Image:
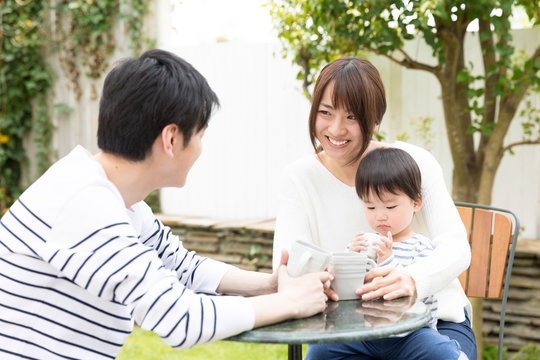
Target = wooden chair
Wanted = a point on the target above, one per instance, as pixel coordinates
(492, 233)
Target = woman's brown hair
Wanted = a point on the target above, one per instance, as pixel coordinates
(358, 88)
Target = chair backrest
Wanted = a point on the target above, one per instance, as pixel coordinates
(491, 233)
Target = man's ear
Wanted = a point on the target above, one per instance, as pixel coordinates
(171, 138)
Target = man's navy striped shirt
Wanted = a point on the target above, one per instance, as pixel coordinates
(77, 269)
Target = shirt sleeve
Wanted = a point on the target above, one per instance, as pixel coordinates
(451, 254)
(104, 255)
(168, 247)
(390, 261)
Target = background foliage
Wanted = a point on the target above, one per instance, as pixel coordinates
(79, 32)
(480, 101)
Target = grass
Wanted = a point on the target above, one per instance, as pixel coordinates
(145, 345)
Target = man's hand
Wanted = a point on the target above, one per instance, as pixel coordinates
(274, 279)
(306, 293)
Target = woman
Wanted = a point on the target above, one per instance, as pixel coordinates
(318, 202)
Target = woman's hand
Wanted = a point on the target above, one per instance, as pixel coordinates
(388, 283)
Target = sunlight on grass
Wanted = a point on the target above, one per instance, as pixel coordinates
(145, 345)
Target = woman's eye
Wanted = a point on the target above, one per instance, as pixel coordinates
(351, 117)
(371, 208)
(391, 207)
(324, 112)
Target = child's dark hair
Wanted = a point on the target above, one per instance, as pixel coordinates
(141, 96)
(388, 170)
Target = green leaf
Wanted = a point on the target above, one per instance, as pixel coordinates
(463, 76)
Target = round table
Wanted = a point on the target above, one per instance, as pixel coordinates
(348, 320)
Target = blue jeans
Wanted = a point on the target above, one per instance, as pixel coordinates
(422, 344)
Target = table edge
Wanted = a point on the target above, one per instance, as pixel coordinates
(332, 337)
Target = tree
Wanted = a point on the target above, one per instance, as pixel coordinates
(480, 106)
(80, 34)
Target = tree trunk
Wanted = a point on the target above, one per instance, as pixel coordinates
(492, 160)
(457, 118)
(466, 174)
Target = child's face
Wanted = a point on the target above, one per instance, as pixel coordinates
(391, 212)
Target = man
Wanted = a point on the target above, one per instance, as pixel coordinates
(82, 257)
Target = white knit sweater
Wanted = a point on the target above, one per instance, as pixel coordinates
(315, 206)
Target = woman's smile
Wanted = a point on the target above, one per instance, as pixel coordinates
(335, 142)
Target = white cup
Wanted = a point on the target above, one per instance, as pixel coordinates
(349, 269)
(371, 252)
(307, 258)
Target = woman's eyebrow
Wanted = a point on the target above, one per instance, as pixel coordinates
(327, 106)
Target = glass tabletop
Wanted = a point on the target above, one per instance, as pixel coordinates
(348, 320)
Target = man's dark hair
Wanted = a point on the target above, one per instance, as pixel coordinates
(388, 170)
(141, 96)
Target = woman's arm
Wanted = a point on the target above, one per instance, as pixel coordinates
(451, 255)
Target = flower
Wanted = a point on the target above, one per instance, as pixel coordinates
(4, 139)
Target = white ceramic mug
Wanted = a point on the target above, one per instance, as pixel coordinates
(349, 269)
(306, 258)
(371, 252)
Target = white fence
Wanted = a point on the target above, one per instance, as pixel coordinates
(262, 126)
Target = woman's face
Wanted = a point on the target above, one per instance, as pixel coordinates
(337, 129)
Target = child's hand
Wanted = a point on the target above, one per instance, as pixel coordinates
(383, 247)
(359, 243)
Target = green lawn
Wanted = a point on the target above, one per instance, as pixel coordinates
(145, 345)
